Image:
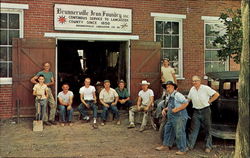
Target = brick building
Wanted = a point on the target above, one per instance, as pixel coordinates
(112, 39)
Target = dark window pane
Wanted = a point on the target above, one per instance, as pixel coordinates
(13, 34)
(167, 41)
(10, 70)
(159, 38)
(208, 67)
(3, 39)
(159, 27)
(14, 21)
(167, 28)
(3, 70)
(166, 53)
(175, 27)
(208, 55)
(10, 54)
(3, 23)
(3, 54)
(214, 55)
(175, 41)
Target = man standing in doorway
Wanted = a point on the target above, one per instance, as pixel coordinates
(109, 98)
(49, 81)
(88, 100)
(167, 72)
(124, 97)
(202, 96)
(144, 104)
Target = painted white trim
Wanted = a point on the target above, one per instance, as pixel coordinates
(94, 37)
(210, 18)
(14, 6)
(5, 81)
(180, 51)
(165, 15)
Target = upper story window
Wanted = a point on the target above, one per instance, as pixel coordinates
(213, 28)
(11, 26)
(168, 31)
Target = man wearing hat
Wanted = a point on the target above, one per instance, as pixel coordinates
(144, 103)
(109, 98)
(177, 119)
(124, 97)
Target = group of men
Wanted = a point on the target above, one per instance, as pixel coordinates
(173, 107)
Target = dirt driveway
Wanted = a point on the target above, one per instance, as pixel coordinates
(80, 140)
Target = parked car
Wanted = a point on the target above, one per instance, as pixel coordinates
(225, 108)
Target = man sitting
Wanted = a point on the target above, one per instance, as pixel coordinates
(88, 99)
(124, 97)
(109, 98)
(144, 103)
(65, 98)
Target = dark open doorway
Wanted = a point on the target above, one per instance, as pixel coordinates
(97, 60)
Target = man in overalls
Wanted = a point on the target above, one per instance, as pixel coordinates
(177, 119)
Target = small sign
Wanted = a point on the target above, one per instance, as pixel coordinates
(90, 18)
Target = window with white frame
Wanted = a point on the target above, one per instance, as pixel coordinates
(11, 26)
(168, 31)
(213, 28)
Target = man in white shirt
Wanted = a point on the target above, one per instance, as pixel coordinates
(65, 99)
(202, 96)
(144, 104)
(109, 98)
(88, 99)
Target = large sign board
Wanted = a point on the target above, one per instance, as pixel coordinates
(90, 18)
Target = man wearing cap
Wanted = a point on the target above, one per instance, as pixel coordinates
(124, 97)
(144, 103)
(167, 72)
(177, 119)
(109, 98)
(202, 96)
(49, 81)
(88, 101)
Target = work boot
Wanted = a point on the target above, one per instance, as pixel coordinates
(207, 150)
(47, 123)
(131, 125)
(53, 122)
(142, 128)
(180, 153)
(163, 147)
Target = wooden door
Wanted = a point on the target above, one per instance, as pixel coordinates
(145, 65)
(28, 55)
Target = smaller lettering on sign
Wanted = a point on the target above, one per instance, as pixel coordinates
(88, 18)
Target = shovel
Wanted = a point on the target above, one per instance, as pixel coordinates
(38, 123)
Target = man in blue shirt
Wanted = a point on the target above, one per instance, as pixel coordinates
(124, 97)
(177, 118)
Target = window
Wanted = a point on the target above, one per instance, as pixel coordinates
(168, 31)
(11, 26)
(213, 28)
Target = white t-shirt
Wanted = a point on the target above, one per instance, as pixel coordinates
(167, 73)
(87, 92)
(65, 97)
(201, 96)
(146, 96)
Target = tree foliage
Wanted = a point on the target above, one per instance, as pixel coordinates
(231, 42)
